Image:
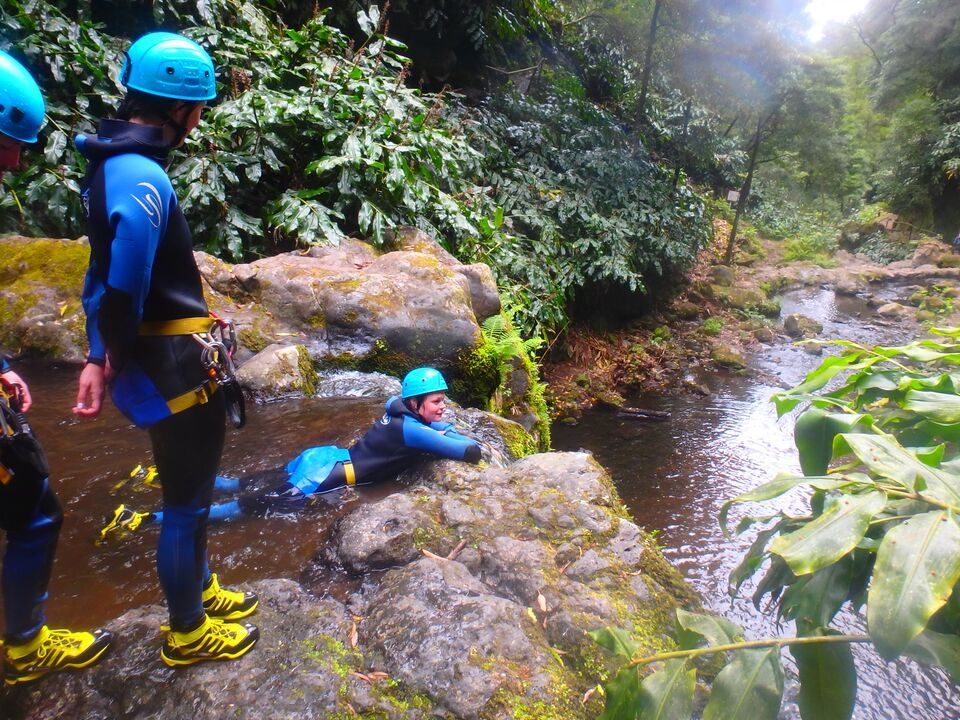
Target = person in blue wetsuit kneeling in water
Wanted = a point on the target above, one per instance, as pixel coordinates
(409, 431)
(30, 513)
(150, 331)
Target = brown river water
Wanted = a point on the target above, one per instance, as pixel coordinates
(673, 475)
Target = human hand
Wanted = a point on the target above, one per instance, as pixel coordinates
(90, 391)
(16, 387)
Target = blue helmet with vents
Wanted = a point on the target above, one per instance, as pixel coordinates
(21, 104)
(422, 381)
(170, 66)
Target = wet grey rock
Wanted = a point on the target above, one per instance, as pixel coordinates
(383, 534)
(294, 671)
(484, 296)
(764, 335)
(893, 309)
(627, 544)
(438, 629)
(350, 300)
(848, 287)
(516, 568)
(278, 371)
(800, 326)
(586, 567)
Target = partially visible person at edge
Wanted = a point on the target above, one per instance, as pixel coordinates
(144, 301)
(409, 431)
(30, 513)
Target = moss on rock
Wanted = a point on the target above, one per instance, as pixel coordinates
(307, 372)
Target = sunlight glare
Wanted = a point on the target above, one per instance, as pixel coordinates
(823, 12)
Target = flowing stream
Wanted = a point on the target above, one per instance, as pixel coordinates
(675, 475)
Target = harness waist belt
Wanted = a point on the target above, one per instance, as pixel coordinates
(351, 476)
(181, 326)
(200, 395)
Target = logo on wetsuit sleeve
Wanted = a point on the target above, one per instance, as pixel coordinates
(150, 202)
(385, 420)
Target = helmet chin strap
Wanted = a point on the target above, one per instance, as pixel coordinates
(178, 127)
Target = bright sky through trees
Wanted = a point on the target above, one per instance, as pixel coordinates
(822, 12)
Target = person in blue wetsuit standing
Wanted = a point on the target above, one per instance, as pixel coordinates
(409, 431)
(30, 514)
(147, 323)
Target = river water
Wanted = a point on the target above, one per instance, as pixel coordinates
(91, 462)
(675, 475)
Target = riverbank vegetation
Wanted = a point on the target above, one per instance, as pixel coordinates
(570, 145)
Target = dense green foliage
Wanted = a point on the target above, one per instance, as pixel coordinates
(878, 445)
(316, 136)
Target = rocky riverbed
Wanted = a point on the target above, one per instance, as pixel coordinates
(470, 595)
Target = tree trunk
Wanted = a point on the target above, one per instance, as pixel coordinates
(744, 194)
(681, 155)
(648, 62)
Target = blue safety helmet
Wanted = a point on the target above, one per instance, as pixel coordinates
(21, 104)
(422, 381)
(170, 66)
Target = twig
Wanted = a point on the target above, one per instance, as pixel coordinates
(747, 644)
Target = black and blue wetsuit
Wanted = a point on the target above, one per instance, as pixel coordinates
(395, 442)
(31, 516)
(142, 272)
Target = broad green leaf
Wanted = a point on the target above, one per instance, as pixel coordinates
(782, 483)
(751, 560)
(814, 433)
(750, 687)
(933, 648)
(623, 695)
(817, 378)
(918, 564)
(616, 641)
(828, 681)
(814, 599)
(696, 627)
(941, 407)
(327, 163)
(668, 693)
(884, 456)
(832, 535)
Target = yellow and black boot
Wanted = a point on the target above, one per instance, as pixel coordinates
(51, 650)
(225, 604)
(214, 639)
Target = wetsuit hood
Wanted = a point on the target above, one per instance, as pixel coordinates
(117, 137)
(395, 407)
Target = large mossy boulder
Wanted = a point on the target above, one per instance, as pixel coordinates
(493, 572)
(41, 281)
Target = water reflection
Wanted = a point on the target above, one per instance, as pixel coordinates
(675, 476)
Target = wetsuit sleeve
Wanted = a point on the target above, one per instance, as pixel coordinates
(450, 445)
(138, 198)
(4, 364)
(92, 295)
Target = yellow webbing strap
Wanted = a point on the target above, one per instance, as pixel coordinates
(198, 396)
(183, 326)
(351, 476)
